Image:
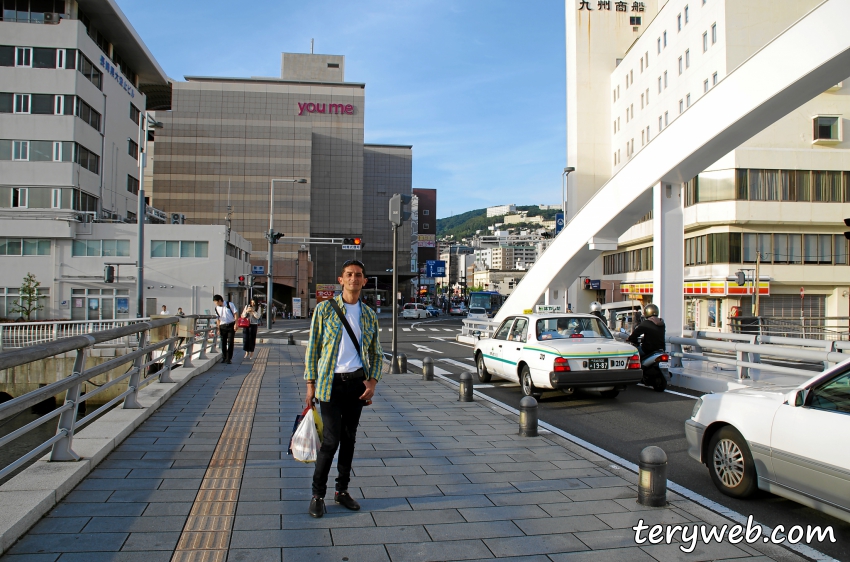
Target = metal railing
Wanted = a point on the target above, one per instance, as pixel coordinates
(486, 327)
(161, 353)
(750, 351)
(822, 328)
(16, 335)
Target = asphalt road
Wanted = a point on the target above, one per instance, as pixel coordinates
(637, 418)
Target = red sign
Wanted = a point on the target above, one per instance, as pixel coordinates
(324, 296)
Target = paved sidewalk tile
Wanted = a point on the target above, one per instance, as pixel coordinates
(437, 480)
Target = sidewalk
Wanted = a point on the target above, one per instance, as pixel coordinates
(207, 475)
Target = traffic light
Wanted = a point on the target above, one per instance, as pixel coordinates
(741, 278)
(273, 237)
(398, 202)
(847, 234)
(587, 284)
(352, 243)
(109, 274)
(241, 280)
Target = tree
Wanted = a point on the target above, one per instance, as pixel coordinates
(28, 303)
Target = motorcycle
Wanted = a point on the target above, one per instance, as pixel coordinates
(652, 374)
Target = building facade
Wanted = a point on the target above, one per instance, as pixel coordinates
(500, 210)
(73, 77)
(778, 199)
(225, 139)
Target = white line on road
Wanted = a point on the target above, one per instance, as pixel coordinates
(291, 331)
(449, 330)
(803, 549)
(406, 329)
(456, 363)
(437, 370)
(420, 329)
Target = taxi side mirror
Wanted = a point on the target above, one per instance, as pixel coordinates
(800, 397)
(477, 334)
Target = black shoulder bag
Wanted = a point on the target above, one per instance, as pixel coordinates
(347, 326)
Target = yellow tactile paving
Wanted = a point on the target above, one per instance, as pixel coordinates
(206, 534)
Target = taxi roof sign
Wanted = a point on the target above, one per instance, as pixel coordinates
(544, 308)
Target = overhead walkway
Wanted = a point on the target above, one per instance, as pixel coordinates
(802, 62)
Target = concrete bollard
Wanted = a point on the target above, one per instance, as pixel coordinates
(290, 340)
(427, 369)
(652, 485)
(465, 390)
(401, 359)
(528, 417)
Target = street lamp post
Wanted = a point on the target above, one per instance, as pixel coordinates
(272, 238)
(141, 211)
(564, 177)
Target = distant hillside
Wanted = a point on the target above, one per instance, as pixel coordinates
(465, 224)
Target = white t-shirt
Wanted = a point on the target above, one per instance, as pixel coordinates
(227, 313)
(348, 360)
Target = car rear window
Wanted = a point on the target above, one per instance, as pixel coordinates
(567, 327)
(476, 310)
(410, 306)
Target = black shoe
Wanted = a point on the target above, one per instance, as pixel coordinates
(345, 500)
(317, 507)
(228, 362)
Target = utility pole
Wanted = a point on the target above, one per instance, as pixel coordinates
(397, 217)
(272, 238)
(756, 288)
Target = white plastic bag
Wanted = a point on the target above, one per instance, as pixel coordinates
(305, 441)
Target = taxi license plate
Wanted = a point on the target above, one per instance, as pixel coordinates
(595, 364)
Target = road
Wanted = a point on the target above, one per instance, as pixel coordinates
(637, 418)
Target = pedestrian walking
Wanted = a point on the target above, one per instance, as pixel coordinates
(164, 310)
(226, 320)
(274, 312)
(342, 367)
(180, 312)
(249, 333)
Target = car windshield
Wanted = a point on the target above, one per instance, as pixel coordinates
(476, 310)
(571, 327)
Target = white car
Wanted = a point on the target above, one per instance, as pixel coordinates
(558, 351)
(792, 442)
(477, 313)
(414, 310)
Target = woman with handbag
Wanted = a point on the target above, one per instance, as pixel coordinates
(249, 321)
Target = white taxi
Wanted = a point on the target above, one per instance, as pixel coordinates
(557, 351)
(785, 440)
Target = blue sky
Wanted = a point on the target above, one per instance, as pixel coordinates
(477, 87)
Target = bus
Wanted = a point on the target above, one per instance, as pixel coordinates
(491, 301)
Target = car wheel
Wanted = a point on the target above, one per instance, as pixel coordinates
(483, 374)
(609, 393)
(730, 463)
(527, 384)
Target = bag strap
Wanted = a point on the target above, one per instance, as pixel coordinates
(346, 324)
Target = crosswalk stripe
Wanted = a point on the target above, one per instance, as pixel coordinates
(304, 332)
(420, 329)
(291, 331)
(434, 329)
(448, 330)
(406, 329)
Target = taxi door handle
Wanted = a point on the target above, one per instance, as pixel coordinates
(500, 345)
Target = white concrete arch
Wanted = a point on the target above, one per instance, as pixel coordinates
(802, 62)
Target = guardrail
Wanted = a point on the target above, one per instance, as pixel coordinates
(749, 351)
(810, 327)
(486, 327)
(170, 342)
(16, 335)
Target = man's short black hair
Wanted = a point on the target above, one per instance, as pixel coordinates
(358, 263)
(217, 298)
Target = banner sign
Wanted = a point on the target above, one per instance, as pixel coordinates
(427, 240)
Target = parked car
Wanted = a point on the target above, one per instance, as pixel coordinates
(457, 310)
(786, 441)
(477, 313)
(432, 310)
(558, 351)
(414, 310)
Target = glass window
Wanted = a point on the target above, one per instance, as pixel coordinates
(826, 128)
(780, 248)
(44, 247)
(93, 247)
(713, 33)
(705, 42)
(23, 55)
(795, 248)
(750, 242)
(825, 248)
(802, 185)
(78, 248)
(172, 249)
(504, 329)
(43, 58)
(519, 330)
(765, 247)
(833, 395)
(19, 197)
(122, 248)
(810, 248)
(840, 251)
(687, 58)
(157, 248)
(187, 249)
(202, 249)
(110, 248)
(714, 79)
(826, 187)
(30, 247)
(22, 103)
(13, 246)
(41, 151)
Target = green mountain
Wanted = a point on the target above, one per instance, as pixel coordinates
(465, 224)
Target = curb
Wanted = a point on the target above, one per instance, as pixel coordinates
(30, 495)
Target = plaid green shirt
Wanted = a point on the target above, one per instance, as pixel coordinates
(326, 331)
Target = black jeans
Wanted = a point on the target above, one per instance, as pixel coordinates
(340, 417)
(249, 338)
(228, 334)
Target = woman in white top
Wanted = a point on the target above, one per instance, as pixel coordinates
(249, 334)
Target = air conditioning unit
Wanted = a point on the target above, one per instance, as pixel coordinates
(51, 17)
(177, 218)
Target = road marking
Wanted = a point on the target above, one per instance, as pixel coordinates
(420, 329)
(456, 363)
(291, 331)
(450, 330)
(724, 511)
(425, 349)
(434, 329)
(406, 329)
(482, 386)
(305, 331)
(671, 392)
(437, 370)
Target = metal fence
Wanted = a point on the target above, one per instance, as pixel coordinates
(192, 342)
(16, 335)
(809, 327)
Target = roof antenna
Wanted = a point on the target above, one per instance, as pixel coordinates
(311, 46)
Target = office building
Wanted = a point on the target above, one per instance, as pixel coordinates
(632, 69)
(225, 139)
(500, 210)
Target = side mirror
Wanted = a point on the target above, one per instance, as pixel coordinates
(477, 334)
(800, 397)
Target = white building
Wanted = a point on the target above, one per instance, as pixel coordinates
(501, 210)
(778, 195)
(185, 265)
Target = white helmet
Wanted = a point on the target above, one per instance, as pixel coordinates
(595, 307)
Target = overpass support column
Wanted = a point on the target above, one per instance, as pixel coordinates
(669, 254)
(556, 296)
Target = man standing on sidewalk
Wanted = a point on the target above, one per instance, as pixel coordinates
(342, 368)
(226, 319)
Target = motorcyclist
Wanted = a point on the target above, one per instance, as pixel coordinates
(652, 329)
(596, 310)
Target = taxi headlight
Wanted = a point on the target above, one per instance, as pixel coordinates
(697, 406)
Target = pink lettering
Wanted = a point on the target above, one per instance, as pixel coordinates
(320, 107)
(332, 108)
(311, 108)
(301, 108)
(336, 108)
(349, 109)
